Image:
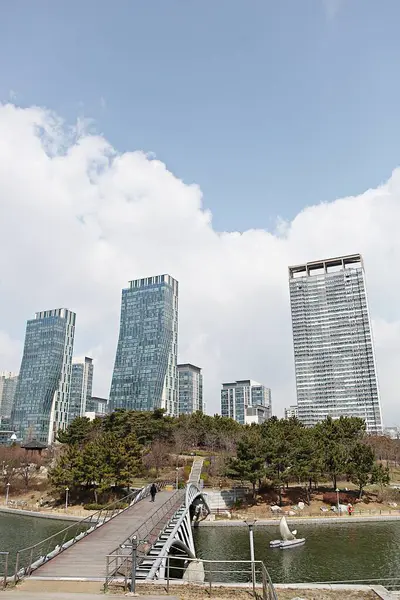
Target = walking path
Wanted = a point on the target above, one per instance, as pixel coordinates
(21, 594)
(87, 558)
(195, 472)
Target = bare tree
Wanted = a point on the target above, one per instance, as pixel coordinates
(10, 462)
(182, 442)
(29, 467)
(211, 440)
(157, 457)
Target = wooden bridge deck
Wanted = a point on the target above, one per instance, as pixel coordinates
(87, 558)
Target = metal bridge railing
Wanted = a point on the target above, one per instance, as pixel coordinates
(32, 557)
(211, 573)
(118, 561)
(3, 568)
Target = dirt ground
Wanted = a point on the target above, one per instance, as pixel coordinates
(291, 496)
(223, 593)
(31, 501)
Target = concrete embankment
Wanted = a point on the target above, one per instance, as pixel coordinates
(299, 520)
(42, 514)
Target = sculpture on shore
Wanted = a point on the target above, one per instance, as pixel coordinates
(289, 539)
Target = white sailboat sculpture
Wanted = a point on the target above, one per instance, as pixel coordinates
(288, 537)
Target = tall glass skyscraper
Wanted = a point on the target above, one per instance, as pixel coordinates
(41, 401)
(80, 400)
(333, 346)
(190, 394)
(145, 372)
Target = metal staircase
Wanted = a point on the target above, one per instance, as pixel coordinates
(145, 563)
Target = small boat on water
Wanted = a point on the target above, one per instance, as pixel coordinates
(289, 539)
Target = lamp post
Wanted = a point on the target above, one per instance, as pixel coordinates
(250, 524)
(177, 477)
(7, 492)
(337, 500)
(134, 542)
(66, 498)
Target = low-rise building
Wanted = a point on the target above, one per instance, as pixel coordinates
(291, 411)
(392, 432)
(246, 401)
(99, 406)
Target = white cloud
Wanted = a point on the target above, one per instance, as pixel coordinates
(79, 220)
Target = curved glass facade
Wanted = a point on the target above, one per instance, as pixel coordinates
(42, 396)
(145, 370)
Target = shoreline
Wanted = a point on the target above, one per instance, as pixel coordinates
(221, 522)
(41, 514)
(300, 520)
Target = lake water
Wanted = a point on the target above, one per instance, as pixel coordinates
(19, 531)
(332, 552)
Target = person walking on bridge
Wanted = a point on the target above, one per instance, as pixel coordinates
(153, 492)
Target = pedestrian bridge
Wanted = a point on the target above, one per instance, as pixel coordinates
(99, 547)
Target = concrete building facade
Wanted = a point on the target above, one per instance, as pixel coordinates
(333, 346)
(291, 411)
(246, 401)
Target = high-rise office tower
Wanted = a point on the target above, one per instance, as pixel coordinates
(80, 400)
(190, 382)
(333, 346)
(42, 396)
(246, 401)
(145, 369)
(8, 385)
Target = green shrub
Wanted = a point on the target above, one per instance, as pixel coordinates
(94, 506)
(121, 505)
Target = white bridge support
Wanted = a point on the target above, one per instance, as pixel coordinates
(181, 535)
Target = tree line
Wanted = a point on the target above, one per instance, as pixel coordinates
(284, 451)
(103, 457)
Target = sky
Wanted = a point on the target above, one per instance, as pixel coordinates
(215, 141)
